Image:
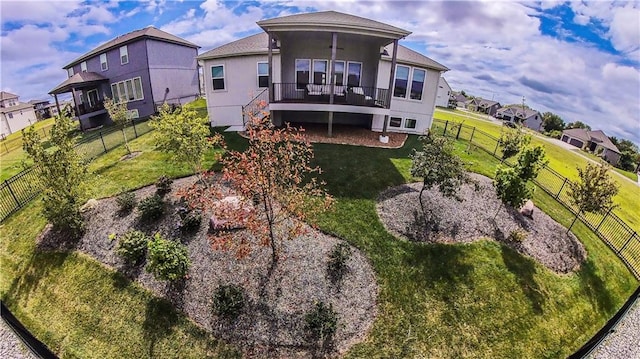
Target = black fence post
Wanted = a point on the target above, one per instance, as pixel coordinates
(472, 132)
(627, 242)
(603, 218)
(133, 123)
(459, 129)
(446, 124)
(561, 187)
(102, 139)
(496, 149)
(6, 183)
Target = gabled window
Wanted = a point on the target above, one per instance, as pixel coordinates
(83, 66)
(124, 55)
(217, 77)
(263, 74)
(417, 84)
(402, 78)
(303, 73)
(354, 73)
(103, 62)
(70, 71)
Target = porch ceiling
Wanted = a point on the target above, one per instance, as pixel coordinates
(78, 81)
(344, 39)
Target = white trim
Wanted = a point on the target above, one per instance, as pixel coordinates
(424, 80)
(407, 89)
(295, 72)
(122, 85)
(89, 97)
(326, 71)
(70, 71)
(258, 74)
(359, 76)
(344, 66)
(103, 56)
(224, 78)
(125, 54)
(83, 66)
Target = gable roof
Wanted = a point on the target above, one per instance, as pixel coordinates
(257, 45)
(148, 32)
(18, 107)
(333, 20)
(579, 133)
(597, 136)
(7, 95)
(35, 102)
(517, 111)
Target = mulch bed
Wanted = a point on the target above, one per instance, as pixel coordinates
(272, 323)
(472, 219)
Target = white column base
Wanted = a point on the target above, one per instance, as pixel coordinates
(384, 139)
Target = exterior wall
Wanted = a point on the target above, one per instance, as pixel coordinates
(317, 49)
(421, 111)
(444, 91)
(173, 67)
(241, 86)
(610, 156)
(534, 122)
(21, 119)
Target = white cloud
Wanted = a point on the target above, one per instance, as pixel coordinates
(625, 29)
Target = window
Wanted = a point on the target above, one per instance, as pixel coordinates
(354, 72)
(319, 72)
(83, 66)
(263, 74)
(217, 76)
(417, 84)
(92, 96)
(409, 123)
(395, 122)
(127, 90)
(124, 55)
(10, 115)
(339, 73)
(103, 62)
(303, 72)
(70, 71)
(402, 78)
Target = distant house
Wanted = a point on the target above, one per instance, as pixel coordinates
(527, 117)
(41, 108)
(595, 141)
(143, 68)
(14, 115)
(444, 92)
(458, 98)
(481, 105)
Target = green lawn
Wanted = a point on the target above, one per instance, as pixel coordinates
(630, 175)
(564, 162)
(478, 300)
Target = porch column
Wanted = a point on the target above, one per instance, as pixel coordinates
(75, 103)
(270, 52)
(55, 96)
(392, 77)
(332, 69)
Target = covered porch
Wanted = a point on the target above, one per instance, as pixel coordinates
(87, 90)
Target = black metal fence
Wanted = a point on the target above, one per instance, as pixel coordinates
(18, 190)
(617, 234)
(8, 145)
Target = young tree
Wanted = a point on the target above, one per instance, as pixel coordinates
(511, 141)
(511, 183)
(552, 122)
(62, 172)
(438, 165)
(119, 114)
(184, 134)
(593, 192)
(275, 175)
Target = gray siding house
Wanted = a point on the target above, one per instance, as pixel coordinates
(143, 68)
(594, 141)
(323, 67)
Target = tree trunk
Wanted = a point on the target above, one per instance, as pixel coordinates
(126, 143)
(424, 212)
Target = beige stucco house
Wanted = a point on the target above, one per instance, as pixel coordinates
(323, 67)
(14, 115)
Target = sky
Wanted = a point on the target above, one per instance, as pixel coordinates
(580, 60)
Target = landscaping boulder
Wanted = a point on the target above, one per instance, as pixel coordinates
(231, 203)
(527, 209)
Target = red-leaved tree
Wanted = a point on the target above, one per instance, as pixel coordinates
(266, 193)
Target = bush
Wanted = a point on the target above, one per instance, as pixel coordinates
(337, 265)
(163, 185)
(517, 236)
(132, 246)
(168, 260)
(228, 301)
(126, 201)
(151, 208)
(322, 321)
(190, 219)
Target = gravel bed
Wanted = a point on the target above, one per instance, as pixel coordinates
(11, 347)
(624, 341)
(272, 324)
(471, 219)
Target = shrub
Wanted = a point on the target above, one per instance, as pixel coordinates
(228, 301)
(322, 321)
(168, 260)
(126, 201)
(190, 219)
(163, 185)
(151, 208)
(337, 265)
(132, 246)
(517, 236)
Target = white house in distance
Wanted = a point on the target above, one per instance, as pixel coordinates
(527, 117)
(323, 67)
(444, 93)
(14, 115)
